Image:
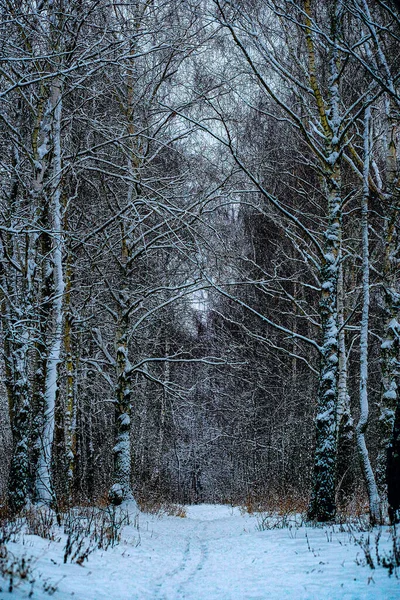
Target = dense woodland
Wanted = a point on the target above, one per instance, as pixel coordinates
(199, 250)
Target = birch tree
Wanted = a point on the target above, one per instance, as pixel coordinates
(323, 132)
(377, 53)
(41, 109)
(47, 38)
(374, 501)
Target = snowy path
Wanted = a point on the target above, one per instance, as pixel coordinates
(214, 554)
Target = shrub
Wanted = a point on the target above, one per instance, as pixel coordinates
(162, 508)
(41, 521)
(15, 570)
(92, 528)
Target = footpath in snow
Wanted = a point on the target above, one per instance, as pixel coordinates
(215, 553)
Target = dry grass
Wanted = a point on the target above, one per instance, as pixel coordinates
(162, 508)
(354, 507)
(41, 521)
(278, 503)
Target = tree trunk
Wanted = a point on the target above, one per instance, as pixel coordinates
(390, 347)
(373, 497)
(323, 501)
(345, 425)
(121, 489)
(18, 484)
(44, 486)
(70, 412)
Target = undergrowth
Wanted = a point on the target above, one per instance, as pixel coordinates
(86, 529)
(161, 508)
(41, 521)
(375, 555)
(92, 528)
(13, 570)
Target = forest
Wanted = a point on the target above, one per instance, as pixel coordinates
(199, 255)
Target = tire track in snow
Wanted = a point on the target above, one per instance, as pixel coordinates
(192, 562)
(174, 572)
(200, 565)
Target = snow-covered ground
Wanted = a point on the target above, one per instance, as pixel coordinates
(215, 553)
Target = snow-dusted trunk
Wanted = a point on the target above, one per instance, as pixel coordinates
(19, 412)
(121, 487)
(373, 497)
(156, 475)
(393, 470)
(345, 425)
(345, 421)
(17, 298)
(390, 346)
(44, 294)
(389, 455)
(70, 413)
(17, 344)
(44, 491)
(17, 348)
(323, 501)
(15, 314)
(389, 350)
(40, 251)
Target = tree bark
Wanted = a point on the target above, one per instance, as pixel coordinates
(373, 497)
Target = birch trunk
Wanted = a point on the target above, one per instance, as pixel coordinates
(20, 413)
(41, 250)
(121, 489)
(345, 421)
(345, 425)
(373, 497)
(16, 313)
(323, 500)
(390, 347)
(70, 413)
(389, 456)
(44, 489)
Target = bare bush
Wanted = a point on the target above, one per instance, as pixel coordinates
(162, 508)
(375, 555)
(9, 530)
(15, 570)
(91, 528)
(41, 521)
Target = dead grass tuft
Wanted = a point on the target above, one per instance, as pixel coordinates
(279, 503)
(162, 508)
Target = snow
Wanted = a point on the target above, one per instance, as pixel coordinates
(329, 258)
(387, 344)
(124, 419)
(329, 375)
(332, 158)
(394, 326)
(215, 553)
(43, 149)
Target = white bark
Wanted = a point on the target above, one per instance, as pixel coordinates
(391, 331)
(373, 496)
(345, 421)
(44, 487)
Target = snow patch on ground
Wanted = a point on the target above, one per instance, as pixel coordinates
(215, 553)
